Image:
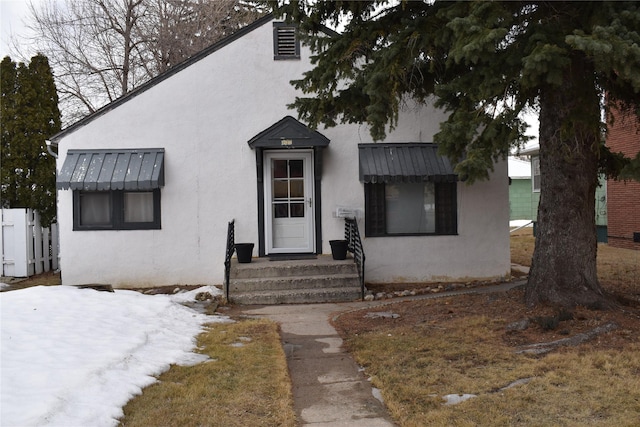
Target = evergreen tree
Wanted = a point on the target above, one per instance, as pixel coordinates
(486, 63)
(29, 116)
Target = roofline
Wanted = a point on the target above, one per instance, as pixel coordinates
(531, 151)
(163, 76)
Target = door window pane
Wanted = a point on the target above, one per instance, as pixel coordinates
(297, 188)
(279, 168)
(95, 208)
(138, 207)
(280, 190)
(296, 168)
(281, 210)
(297, 210)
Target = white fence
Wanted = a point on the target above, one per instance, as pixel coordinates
(27, 248)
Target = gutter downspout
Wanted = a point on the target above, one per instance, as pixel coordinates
(49, 150)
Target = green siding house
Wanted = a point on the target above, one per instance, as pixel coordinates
(524, 191)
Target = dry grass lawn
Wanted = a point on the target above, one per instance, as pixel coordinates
(469, 345)
(618, 269)
(242, 385)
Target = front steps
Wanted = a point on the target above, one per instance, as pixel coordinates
(294, 282)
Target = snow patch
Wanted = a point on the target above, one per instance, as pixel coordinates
(76, 356)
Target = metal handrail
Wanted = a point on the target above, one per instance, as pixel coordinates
(228, 254)
(354, 245)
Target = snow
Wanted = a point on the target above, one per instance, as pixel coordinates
(520, 223)
(454, 399)
(74, 357)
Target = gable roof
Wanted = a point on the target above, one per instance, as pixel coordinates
(288, 132)
(165, 75)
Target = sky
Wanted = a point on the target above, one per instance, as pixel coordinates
(13, 13)
(74, 357)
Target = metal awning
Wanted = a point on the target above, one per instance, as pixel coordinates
(104, 170)
(414, 162)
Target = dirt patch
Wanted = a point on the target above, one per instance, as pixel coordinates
(50, 278)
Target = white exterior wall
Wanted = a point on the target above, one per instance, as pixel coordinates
(203, 117)
(479, 251)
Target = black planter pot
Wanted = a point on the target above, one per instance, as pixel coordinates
(338, 249)
(244, 252)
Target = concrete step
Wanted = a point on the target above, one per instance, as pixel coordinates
(294, 282)
(261, 268)
(297, 296)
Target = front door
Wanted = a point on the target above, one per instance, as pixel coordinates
(289, 198)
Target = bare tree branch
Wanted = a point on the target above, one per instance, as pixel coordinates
(101, 49)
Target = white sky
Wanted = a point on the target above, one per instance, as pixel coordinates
(13, 13)
(74, 357)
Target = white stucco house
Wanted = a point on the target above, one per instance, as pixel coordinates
(148, 184)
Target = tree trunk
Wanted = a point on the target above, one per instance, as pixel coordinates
(563, 269)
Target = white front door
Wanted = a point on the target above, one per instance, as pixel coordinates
(288, 181)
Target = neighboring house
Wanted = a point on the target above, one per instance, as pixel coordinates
(523, 202)
(149, 183)
(600, 202)
(624, 196)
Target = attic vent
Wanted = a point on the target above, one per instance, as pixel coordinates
(285, 41)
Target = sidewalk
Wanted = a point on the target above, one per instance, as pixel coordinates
(329, 389)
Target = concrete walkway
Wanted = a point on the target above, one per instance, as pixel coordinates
(329, 389)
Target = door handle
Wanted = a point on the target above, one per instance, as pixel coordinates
(309, 201)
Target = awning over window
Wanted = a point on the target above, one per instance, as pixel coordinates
(104, 170)
(415, 162)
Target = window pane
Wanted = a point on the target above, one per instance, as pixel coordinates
(297, 188)
(281, 210)
(280, 189)
(95, 208)
(295, 168)
(138, 207)
(279, 168)
(410, 208)
(297, 210)
(535, 165)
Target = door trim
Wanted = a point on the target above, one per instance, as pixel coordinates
(317, 190)
(308, 220)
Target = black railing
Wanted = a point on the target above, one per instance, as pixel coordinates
(228, 254)
(354, 244)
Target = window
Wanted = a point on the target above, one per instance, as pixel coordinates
(423, 208)
(116, 210)
(535, 174)
(285, 41)
(288, 188)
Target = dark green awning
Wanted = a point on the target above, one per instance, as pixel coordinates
(104, 170)
(413, 162)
